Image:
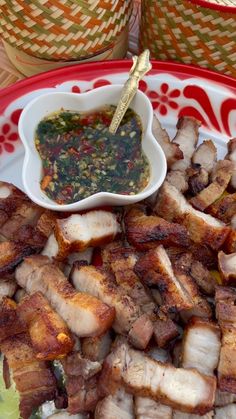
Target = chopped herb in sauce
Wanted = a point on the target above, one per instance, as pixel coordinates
(80, 157)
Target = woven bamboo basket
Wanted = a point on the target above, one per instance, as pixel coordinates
(191, 31)
(29, 65)
(63, 29)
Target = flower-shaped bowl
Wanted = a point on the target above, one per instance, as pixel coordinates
(46, 104)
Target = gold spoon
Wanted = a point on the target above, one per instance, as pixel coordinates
(141, 65)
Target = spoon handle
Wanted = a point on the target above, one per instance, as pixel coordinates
(141, 65)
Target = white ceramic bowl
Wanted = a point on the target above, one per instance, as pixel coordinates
(44, 105)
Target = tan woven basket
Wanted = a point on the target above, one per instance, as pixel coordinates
(63, 29)
(29, 65)
(191, 31)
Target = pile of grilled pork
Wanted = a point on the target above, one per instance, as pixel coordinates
(136, 306)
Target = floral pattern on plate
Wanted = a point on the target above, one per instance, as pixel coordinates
(172, 94)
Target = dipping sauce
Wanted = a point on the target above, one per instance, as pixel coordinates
(80, 157)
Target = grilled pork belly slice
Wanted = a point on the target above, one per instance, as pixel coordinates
(220, 181)
(187, 138)
(202, 277)
(146, 232)
(102, 285)
(184, 262)
(29, 235)
(84, 314)
(141, 332)
(232, 157)
(179, 179)
(11, 254)
(27, 214)
(225, 298)
(201, 307)
(83, 395)
(96, 348)
(205, 155)
(178, 291)
(198, 179)
(226, 412)
(33, 378)
(203, 228)
(116, 406)
(46, 222)
(76, 365)
(52, 250)
(202, 254)
(220, 167)
(123, 270)
(164, 330)
(224, 208)
(78, 232)
(146, 408)
(182, 389)
(10, 199)
(10, 324)
(172, 151)
(81, 383)
(82, 257)
(117, 250)
(19, 216)
(227, 267)
(154, 269)
(201, 346)
(7, 287)
(49, 334)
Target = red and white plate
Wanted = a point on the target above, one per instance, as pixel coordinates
(174, 90)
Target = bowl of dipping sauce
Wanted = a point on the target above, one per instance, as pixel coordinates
(72, 162)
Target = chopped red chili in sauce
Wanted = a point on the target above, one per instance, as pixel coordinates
(80, 157)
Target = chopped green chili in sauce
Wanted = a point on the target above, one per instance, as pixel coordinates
(80, 157)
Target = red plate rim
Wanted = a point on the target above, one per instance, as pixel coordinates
(216, 6)
(89, 71)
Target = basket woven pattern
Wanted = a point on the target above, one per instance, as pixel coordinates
(63, 29)
(184, 31)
